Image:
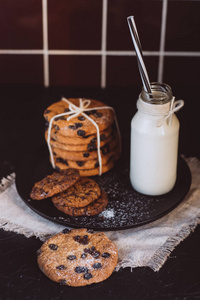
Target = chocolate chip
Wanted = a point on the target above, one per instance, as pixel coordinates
(53, 139)
(91, 147)
(39, 251)
(83, 255)
(86, 154)
(86, 137)
(78, 125)
(66, 110)
(81, 269)
(88, 112)
(98, 115)
(87, 250)
(80, 163)
(60, 118)
(105, 254)
(96, 165)
(93, 140)
(102, 137)
(47, 111)
(61, 267)
(66, 230)
(72, 127)
(77, 238)
(61, 160)
(71, 257)
(53, 247)
(81, 118)
(56, 127)
(105, 149)
(84, 240)
(92, 251)
(57, 169)
(81, 132)
(88, 276)
(91, 112)
(94, 111)
(97, 266)
(95, 254)
(63, 282)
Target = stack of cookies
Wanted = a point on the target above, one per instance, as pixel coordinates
(74, 142)
(71, 194)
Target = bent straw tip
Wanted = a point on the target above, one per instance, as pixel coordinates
(130, 17)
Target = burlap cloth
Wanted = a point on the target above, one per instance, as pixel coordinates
(146, 246)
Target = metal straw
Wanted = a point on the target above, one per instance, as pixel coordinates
(139, 55)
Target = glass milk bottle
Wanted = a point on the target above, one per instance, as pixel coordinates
(154, 141)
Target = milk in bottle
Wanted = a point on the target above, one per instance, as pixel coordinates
(154, 141)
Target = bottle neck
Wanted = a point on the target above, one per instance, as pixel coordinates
(161, 94)
(152, 109)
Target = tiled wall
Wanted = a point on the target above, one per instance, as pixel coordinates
(88, 43)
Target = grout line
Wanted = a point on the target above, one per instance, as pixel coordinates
(98, 52)
(103, 71)
(162, 41)
(19, 51)
(45, 43)
(103, 43)
(75, 52)
(180, 53)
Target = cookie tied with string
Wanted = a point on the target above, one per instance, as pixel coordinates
(79, 126)
(82, 130)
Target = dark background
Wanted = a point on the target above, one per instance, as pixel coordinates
(73, 65)
(76, 25)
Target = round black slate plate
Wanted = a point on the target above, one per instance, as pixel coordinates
(127, 208)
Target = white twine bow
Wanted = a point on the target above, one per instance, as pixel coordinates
(74, 111)
(175, 106)
(166, 111)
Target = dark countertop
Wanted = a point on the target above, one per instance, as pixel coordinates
(21, 125)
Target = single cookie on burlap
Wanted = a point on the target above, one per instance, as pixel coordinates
(92, 209)
(54, 184)
(78, 257)
(82, 193)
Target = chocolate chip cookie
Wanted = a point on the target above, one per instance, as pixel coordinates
(82, 193)
(86, 164)
(91, 172)
(91, 145)
(79, 126)
(92, 209)
(78, 257)
(54, 184)
(58, 136)
(87, 154)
